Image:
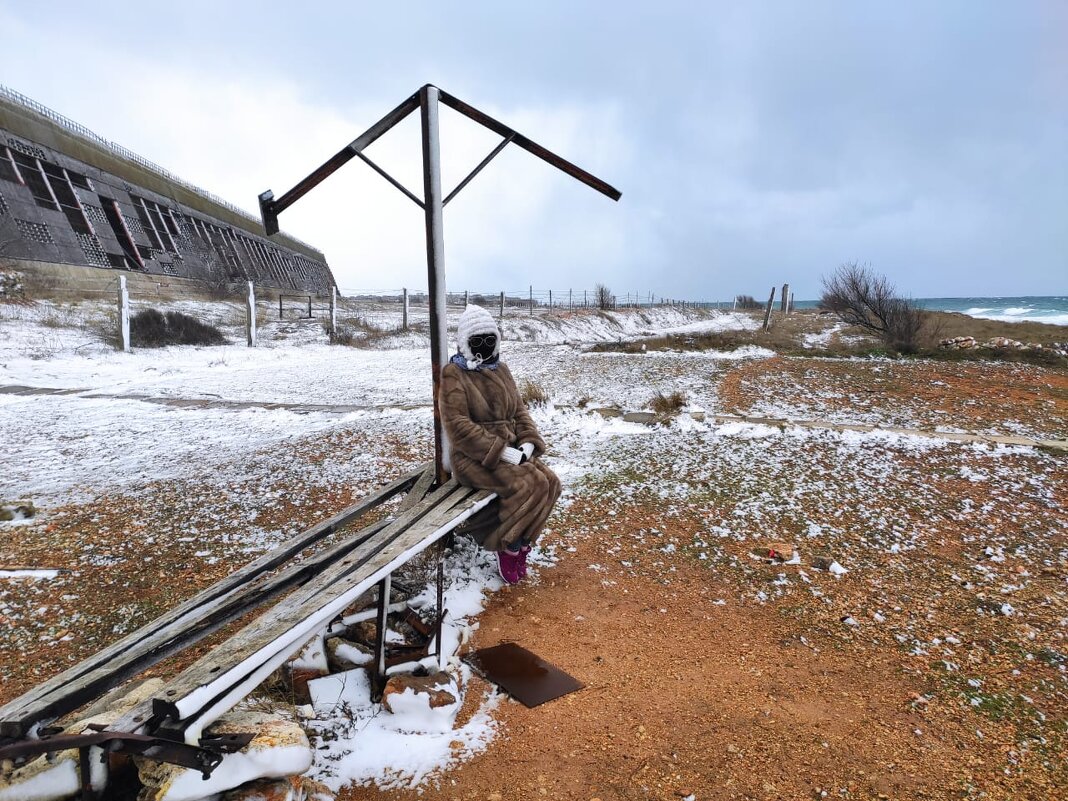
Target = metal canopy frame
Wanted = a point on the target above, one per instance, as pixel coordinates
(426, 99)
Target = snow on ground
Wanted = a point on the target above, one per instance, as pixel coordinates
(726, 486)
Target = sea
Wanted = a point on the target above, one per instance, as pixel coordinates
(1052, 309)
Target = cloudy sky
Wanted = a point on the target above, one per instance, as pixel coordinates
(754, 143)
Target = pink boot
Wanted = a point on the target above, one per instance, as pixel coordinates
(524, 552)
(511, 565)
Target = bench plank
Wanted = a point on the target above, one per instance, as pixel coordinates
(77, 684)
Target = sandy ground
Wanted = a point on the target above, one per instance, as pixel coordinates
(934, 667)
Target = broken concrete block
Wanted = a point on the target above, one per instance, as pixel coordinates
(58, 777)
(342, 654)
(435, 686)
(280, 748)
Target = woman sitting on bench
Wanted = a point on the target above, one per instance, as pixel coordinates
(494, 445)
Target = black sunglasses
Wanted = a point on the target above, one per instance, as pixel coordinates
(478, 341)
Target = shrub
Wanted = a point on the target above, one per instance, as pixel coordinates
(534, 394)
(154, 329)
(667, 404)
(604, 298)
(863, 298)
(748, 302)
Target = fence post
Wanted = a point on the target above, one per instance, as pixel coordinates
(570, 303)
(767, 311)
(333, 310)
(790, 305)
(532, 300)
(585, 299)
(404, 318)
(465, 299)
(309, 307)
(502, 304)
(250, 315)
(124, 316)
(279, 305)
(784, 301)
(550, 301)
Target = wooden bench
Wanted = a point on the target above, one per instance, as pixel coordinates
(321, 586)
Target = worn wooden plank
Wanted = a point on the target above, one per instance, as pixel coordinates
(419, 491)
(268, 626)
(211, 618)
(17, 716)
(209, 702)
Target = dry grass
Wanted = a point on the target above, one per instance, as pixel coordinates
(533, 393)
(787, 336)
(667, 404)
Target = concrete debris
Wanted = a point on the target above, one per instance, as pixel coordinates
(431, 686)
(279, 749)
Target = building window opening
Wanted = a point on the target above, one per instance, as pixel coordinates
(118, 227)
(8, 170)
(35, 180)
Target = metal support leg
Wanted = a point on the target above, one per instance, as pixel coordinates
(378, 678)
(441, 602)
(88, 794)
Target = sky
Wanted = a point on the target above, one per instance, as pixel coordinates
(754, 143)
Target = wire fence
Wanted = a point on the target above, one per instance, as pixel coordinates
(385, 308)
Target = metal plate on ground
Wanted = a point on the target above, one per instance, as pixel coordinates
(523, 675)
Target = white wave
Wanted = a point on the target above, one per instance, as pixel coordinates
(977, 311)
(1019, 310)
(1050, 319)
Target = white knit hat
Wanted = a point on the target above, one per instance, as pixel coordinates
(475, 320)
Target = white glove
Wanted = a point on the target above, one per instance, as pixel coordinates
(528, 450)
(512, 455)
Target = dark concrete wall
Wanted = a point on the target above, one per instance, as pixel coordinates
(67, 199)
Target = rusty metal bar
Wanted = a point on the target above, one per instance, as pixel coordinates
(440, 611)
(530, 146)
(205, 757)
(270, 208)
(390, 178)
(478, 169)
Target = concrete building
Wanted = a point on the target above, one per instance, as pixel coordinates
(71, 201)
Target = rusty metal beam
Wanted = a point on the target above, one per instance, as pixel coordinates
(270, 208)
(411, 196)
(478, 169)
(531, 146)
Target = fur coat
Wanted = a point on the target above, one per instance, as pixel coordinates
(482, 413)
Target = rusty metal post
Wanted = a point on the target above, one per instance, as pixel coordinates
(502, 305)
(435, 258)
(532, 300)
(404, 316)
(279, 305)
(309, 307)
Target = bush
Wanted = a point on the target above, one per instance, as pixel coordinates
(154, 329)
(604, 298)
(748, 302)
(667, 404)
(863, 298)
(534, 394)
